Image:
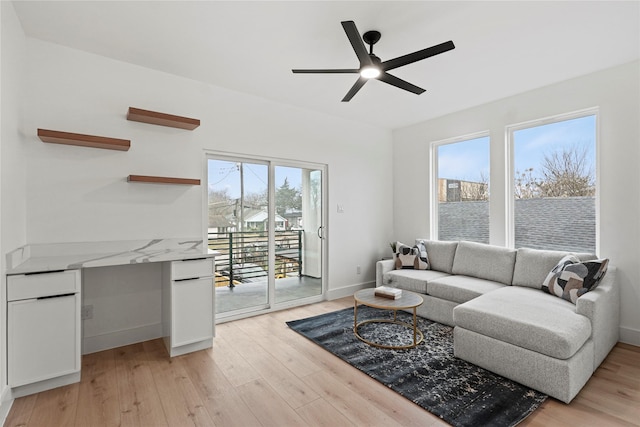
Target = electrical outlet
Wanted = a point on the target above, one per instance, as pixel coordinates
(87, 312)
(358, 269)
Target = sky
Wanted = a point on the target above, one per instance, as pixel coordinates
(468, 159)
(226, 175)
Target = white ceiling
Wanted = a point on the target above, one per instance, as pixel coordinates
(502, 48)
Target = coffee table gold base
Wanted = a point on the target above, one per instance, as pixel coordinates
(418, 337)
(408, 300)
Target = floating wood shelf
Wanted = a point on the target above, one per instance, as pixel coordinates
(162, 180)
(162, 119)
(68, 138)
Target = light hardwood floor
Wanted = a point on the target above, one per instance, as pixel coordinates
(260, 373)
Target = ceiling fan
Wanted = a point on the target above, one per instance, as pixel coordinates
(371, 67)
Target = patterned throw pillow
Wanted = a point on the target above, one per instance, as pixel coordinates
(571, 278)
(422, 260)
(407, 257)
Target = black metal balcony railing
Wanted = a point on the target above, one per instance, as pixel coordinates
(244, 255)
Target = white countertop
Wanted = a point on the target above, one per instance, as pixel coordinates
(70, 256)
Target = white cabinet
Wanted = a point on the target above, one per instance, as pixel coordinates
(43, 327)
(188, 305)
(192, 318)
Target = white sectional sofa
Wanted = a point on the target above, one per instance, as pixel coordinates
(503, 320)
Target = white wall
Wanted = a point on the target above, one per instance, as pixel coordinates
(81, 194)
(616, 92)
(12, 201)
(122, 312)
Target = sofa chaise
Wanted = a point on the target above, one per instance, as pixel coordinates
(503, 320)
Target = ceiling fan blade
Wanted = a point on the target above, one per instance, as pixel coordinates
(356, 42)
(354, 89)
(417, 56)
(331, 71)
(402, 84)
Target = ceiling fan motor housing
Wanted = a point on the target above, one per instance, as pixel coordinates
(371, 37)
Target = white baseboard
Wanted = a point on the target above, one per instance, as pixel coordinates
(630, 336)
(5, 404)
(187, 348)
(348, 291)
(44, 385)
(120, 338)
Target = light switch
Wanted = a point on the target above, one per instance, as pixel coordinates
(340, 209)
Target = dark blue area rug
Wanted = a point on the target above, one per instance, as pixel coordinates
(458, 392)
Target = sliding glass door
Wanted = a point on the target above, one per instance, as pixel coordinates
(238, 208)
(298, 236)
(266, 220)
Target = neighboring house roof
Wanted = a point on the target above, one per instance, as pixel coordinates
(572, 224)
(261, 216)
(223, 216)
(219, 221)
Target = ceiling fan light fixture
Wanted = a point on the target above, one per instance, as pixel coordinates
(371, 67)
(370, 72)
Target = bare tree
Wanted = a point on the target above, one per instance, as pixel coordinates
(566, 173)
(475, 190)
(256, 200)
(526, 186)
(219, 197)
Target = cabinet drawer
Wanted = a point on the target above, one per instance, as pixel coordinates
(191, 269)
(25, 286)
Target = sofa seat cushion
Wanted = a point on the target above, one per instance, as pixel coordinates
(461, 288)
(527, 318)
(411, 280)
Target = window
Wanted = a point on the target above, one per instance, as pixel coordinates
(554, 183)
(462, 189)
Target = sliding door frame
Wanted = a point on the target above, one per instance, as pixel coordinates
(272, 163)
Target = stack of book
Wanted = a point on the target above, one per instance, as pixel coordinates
(387, 292)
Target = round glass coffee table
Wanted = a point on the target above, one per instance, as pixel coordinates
(408, 300)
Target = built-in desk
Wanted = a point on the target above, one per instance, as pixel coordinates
(45, 300)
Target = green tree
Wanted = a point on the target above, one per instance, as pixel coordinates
(287, 198)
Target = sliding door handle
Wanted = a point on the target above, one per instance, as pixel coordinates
(320, 232)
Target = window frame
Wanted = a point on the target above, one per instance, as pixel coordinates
(510, 232)
(433, 176)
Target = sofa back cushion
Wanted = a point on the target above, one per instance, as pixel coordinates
(440, 254)
(485, 261)
(533, 265)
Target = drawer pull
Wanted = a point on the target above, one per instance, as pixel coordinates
(44, 272)
(187, 279)
(56, 296)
